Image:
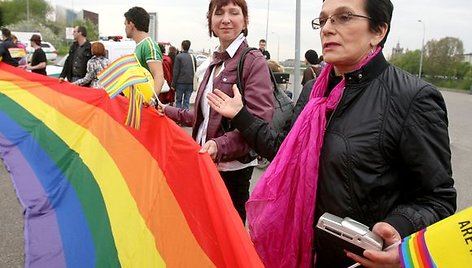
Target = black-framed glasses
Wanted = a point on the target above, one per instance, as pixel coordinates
(339, 19)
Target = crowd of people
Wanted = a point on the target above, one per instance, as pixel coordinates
(367, 140)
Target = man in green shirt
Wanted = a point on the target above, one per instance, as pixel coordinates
(147, 50)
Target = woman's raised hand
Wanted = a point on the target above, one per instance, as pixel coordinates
(224, 104)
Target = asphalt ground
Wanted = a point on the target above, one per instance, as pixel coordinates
(460, 129)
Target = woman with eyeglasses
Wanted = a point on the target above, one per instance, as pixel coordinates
(228, 21)
(371, 144)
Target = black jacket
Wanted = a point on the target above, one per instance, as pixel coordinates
(67, 71)
(5, 54)
(258, 133)
(184, 69)
(385, 155)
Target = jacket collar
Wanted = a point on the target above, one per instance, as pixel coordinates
(368, 72)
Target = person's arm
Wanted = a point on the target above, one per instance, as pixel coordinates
(67, 64)
(91, 73)
(178, 115)
(176, 70)
(40, 65)
(429, 193)
(158, 75)
(255, 131)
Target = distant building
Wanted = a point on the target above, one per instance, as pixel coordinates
(68, 16)
(88, 15)
(397, 50)
(468, 58)
(288, 63)
(153, 25)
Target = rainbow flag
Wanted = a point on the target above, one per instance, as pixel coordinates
(17, 52)
(447, 243)
(121, 74)
(98, 193)
(126, 75)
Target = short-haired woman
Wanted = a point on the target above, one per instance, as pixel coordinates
(228, 20)
(371, 144)
(95, 65)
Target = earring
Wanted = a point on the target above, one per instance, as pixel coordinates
(372, 50)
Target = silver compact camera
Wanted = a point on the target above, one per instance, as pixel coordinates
(348, 234)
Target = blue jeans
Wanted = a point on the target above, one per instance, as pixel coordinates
(182, 95)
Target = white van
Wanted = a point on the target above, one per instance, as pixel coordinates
(114, 49)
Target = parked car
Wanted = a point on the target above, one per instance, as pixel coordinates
(54, 70)
(48, 48)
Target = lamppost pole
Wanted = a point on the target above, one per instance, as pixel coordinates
(27, 14)
(422, 49)
(267, 22)
(296, 71)
(278, 45)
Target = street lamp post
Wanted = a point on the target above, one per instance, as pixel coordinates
(278, 45)
(27, 15)
(422, 49)
(296, 71)
(267, 22)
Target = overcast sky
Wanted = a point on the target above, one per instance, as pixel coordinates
(186, 19)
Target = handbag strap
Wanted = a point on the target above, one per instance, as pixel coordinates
(240, 68)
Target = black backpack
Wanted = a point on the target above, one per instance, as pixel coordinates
(283, 105)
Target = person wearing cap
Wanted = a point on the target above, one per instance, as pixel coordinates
(38, 60)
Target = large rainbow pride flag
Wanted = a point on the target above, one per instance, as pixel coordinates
(97, 193)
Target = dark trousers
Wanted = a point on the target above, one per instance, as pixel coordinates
(237, 183)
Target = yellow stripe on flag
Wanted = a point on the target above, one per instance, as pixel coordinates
(135, 243)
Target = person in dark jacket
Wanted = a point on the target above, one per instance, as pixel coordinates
(7, 43)
(313, 69)
(182, 79)
(75, 66)
(371, 144)
(228, 21)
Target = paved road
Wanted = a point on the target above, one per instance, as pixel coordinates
(459, 107)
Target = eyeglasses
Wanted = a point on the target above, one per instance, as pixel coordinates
(340, 19)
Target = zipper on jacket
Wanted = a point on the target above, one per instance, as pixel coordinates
(335, 110)
(351, 193)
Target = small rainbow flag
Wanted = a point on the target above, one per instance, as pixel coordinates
(126, 75)
(17, 52)
(98, 193)
(447, 243)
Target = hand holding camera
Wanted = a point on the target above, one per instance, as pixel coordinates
(355, 237)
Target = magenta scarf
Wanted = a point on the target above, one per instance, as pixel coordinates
(281, 208)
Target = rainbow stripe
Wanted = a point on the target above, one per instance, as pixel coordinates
(109, 75)
(414, 252)
(17, 52)
(97, 193)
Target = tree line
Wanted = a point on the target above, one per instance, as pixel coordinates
(443, 63)
(14, 15)
(443, 60)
